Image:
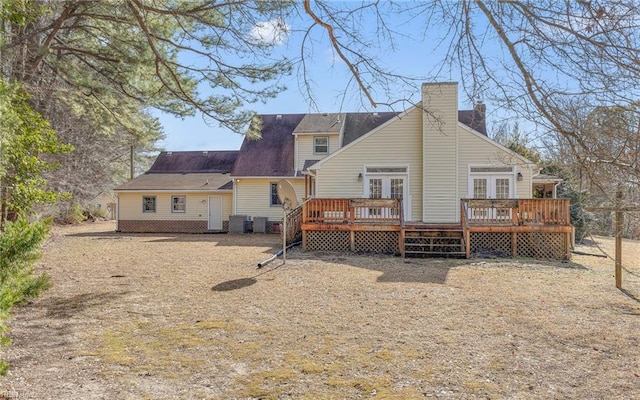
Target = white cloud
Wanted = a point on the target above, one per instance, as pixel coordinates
(273, 32)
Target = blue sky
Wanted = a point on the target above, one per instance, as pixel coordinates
(410, 56)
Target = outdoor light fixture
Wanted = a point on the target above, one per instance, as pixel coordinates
(520, 177)
(360, 177)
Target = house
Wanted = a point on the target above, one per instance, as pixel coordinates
(104, 202)
(427, 158)
(188, 191)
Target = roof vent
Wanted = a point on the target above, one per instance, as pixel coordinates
(375, 114)
(169, 153)
(204, 153)
(279, 116)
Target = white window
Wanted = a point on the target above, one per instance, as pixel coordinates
(148, 204)
(320, 145)
(178, 204)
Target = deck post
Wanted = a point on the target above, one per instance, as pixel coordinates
(514, 244)
(467, 242)
(352, 240)
(304, 240)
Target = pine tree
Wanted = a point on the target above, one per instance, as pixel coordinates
(20, 245)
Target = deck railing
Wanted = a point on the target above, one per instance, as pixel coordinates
(352, 211)
(515, 211)
(294, 225)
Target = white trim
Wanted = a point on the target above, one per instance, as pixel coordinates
(457, 168)
(323, 153)
(278, 177)
(173, 210)
(174, 191)
(155, 204)
(296, 154)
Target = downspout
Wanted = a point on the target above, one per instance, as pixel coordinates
(457, 167)
(117, 212)
(235, 196)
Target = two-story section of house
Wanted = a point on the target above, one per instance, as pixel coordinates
(431, 156)
(290, 143)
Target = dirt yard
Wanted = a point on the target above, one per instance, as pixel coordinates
(190, 317)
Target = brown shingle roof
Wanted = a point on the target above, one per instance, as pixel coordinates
(273, 154)
(474, 119)
(194, 162)
(320, 123)
(170, 181)
(358, 124)
(308, 163)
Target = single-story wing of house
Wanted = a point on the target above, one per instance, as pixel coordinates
(186, 191)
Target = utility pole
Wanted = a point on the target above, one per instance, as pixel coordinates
(619, 239)
(131, 163)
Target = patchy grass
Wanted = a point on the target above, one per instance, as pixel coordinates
(190, 317)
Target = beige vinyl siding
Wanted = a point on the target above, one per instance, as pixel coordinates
(196, 208)
(304, 149)
(440, 129)
(477, 151)
(227, 204)
(253, 197)
(398, 144)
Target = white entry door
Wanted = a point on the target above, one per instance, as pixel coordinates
(215, 213)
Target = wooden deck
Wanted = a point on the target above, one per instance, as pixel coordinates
(516, 227)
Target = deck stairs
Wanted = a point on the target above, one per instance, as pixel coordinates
(428, 240)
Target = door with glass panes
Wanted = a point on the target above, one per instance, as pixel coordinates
(385, 187)
(492, 187)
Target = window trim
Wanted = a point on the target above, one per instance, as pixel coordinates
(155, 204)
(386, 170)
(273, 194)
(315, 145)
(491, 172)
(173, 204)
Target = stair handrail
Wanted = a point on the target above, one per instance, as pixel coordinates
(294, 224)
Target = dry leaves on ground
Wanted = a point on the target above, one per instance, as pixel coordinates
(190, 317)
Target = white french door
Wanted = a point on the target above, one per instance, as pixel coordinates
(385, 187)
(492, 187)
